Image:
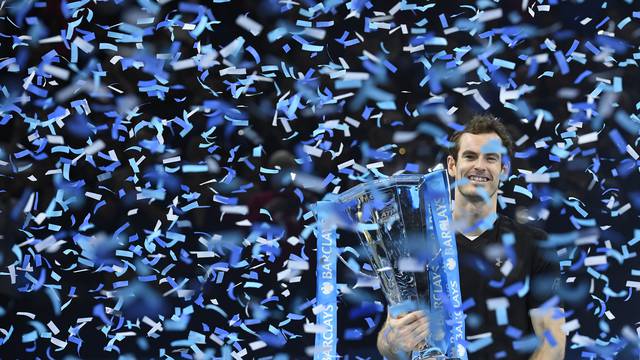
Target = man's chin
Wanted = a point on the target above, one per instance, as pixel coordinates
(476, 193)
(471, 194)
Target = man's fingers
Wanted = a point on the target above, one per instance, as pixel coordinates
(422, 326)
(421, 334)
(408, 318)
(413, 324)
(415, 343)
(400, 315)
(413, 329)
(414, 334)
(420, 331)
(407, 331)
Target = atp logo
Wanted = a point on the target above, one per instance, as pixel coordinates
(326, 288)
(450, 264)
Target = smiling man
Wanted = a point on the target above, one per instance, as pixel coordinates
(506, 278)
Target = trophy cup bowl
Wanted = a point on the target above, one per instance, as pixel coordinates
(391, 219)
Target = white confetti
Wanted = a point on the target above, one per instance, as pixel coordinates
(588, 138)
(249, 24)
(60, 73)
(312, 150)
(595, 260)
(570, 326)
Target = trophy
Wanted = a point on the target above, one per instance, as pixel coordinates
(403, 222)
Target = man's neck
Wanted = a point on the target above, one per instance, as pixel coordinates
(473, 217)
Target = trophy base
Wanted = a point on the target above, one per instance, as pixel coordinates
(434, 357)
(431, 354)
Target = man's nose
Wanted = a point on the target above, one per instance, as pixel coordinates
(480, 164)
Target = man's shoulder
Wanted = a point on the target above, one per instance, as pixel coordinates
(521, 230)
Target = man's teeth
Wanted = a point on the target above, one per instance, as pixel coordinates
(478, 178)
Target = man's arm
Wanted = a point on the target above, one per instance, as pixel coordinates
(550, 320)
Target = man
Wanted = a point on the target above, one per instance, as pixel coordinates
(505, 277)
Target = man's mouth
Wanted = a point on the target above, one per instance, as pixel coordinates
(478, 179)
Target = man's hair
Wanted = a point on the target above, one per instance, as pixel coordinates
(482, 124)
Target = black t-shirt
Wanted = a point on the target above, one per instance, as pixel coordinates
(484, 285)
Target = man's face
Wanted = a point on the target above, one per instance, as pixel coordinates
(479, 165)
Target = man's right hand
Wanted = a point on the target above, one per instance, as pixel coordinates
(403, 334)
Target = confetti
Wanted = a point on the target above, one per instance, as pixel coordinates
(161, 160)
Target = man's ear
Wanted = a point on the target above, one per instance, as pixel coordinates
(504, 173)
(451, 166)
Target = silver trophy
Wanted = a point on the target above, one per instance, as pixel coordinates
(402, 222)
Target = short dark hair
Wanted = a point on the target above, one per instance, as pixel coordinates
(482, 124)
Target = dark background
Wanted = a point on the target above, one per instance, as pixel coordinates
(250, 163)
